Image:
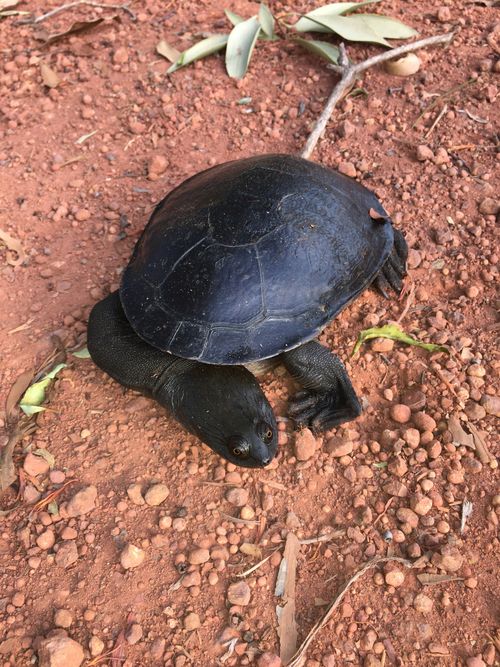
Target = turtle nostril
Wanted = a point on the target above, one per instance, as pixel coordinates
(265, 461)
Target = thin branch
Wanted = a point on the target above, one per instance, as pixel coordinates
(77, 3)
(350, 72)
(298, 657)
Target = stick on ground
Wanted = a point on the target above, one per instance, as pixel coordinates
(297, 658)
(350, 72)
(91, 3)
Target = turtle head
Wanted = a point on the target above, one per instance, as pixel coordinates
(226, 408)
(249, 426)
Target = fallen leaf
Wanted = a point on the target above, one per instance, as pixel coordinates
(251, 550)
(306, 24)
(394, 333)
(21, 383)
(432, 579)
(46, 455)
(266, 20)
(460, 437)
(353, 28)
(287, 626)
(167, 51)
(14, 248)
(240, 45)
(323, 49)
(49, 77)
(467, 508)
(82, 354)
(7, 4)
(200, 50)
(78, 26)
(53, 508)
(233, 17)
(34, 396)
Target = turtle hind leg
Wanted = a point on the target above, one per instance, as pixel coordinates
(394, 270)
(328, 398)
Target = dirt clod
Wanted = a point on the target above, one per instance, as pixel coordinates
(132, 557)
(60, 652)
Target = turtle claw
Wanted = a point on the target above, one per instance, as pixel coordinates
(394, 270)
(321, 411)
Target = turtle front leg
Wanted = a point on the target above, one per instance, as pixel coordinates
(328, 398)
(394, 270)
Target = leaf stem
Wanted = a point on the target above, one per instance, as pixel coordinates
(349, 73)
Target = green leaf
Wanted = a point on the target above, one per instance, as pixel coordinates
(234, 18)
(82, 354)
(266, 20)
(45, 454)
(335, 9)
(52, 508)
(240, 45)
(352, 28)
(34, 396)
(323, 49)
(394, 333)
(387, 27)
(381, 465)
(200, 50)
(244, 100)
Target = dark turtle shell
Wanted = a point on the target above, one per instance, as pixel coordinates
(251, 258)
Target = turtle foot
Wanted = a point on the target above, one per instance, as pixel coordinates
(322, 411)
(394, 270)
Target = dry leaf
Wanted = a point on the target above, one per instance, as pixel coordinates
(49, 77)
(78, 26)
(14, 247)
(251, 550)
(7, 4)
(17, 389)
(432, 579)
(375, 215)
(167, 51)
(460, 437)
(472, 440)
(287, 626)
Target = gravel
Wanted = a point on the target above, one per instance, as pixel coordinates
(132, 556)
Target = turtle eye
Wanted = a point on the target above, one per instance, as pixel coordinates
(239, 448)
(266, 432)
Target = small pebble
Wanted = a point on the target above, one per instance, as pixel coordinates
(82, 502)
(199, 556)
(96, 646)
(305, 445)
(132, 556)
(237, 496)
(35, 465)
(134, 492)
(348, 169)
(338, 447)
(156, 494)
(63, 618)
(423, 603)
(46, 540)
(239, 593)
(424, 153)
(60, 651)
(394, 578)
(400, 413)
(134, 633)
(191, 622)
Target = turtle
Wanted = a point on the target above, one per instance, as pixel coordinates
(242, 264)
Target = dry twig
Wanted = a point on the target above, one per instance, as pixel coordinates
(297, 658)
(350, 72)
(77, 3)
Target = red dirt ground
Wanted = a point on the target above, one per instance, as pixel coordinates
(77, 209)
